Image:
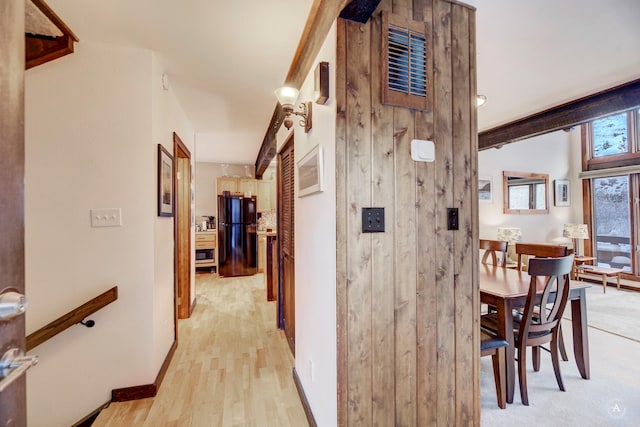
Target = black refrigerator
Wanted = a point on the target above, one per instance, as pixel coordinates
(237, 237)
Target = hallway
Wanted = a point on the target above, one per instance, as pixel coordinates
(232, 366)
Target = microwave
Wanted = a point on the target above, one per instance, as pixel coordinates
(204, 255)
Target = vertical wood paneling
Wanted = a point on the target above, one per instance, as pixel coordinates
(359, 275)
(341, 222)
(464, 184)
(426, 320)
(405, 256)
(446, 327)
(474, 285)
(406, 297)
(382, 167)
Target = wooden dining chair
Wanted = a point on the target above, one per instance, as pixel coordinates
(494, 346)
(540, 323)
(539, 250)
(491, 249)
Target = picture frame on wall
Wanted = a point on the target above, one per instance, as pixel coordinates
(562, 192)
(165, 182)
(310, 174)
(485, 189)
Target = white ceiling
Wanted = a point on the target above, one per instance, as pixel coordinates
(225, 58)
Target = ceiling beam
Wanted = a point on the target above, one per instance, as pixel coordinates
(573, 113)
(319, 21)
(359, 10)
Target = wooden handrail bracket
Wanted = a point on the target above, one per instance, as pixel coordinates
(71, 318)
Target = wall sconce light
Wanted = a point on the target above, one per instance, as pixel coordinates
(480, 100)
(287, 96)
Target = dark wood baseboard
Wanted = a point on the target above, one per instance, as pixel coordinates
(146, 390)
(303, 399)
(89, 419)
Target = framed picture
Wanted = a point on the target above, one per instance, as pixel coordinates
(562, 192)
(485, 189)
(165, 182)
(310, 172)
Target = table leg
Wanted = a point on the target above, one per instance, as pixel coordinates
(580, 333)
(604, 283)
(505, 329)
(618, 276)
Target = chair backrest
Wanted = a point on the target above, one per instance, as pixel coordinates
(542, 313)
(539, 250)
(491, 247)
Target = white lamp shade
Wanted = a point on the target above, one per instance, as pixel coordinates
(287, 95)
(575, 231)
(510, 235)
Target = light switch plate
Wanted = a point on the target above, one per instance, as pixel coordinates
(106, 217)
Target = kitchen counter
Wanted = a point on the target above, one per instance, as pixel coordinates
(267, 233)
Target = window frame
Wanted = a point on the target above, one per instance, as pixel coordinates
(631, 158)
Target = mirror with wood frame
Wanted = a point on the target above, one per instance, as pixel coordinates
(525, 193)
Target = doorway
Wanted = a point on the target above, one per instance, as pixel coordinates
(286, 222)
(182, 231)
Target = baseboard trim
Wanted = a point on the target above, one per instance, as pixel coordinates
(303, 399)
(89, 419)
(193, 306)
(146, 390)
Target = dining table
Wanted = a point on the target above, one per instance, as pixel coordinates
(506, 289)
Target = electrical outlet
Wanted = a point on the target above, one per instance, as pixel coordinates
(372, 220)
(108, 217)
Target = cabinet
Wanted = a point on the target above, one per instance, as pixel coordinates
(227, 184)
(262, 252)
(207, 249)
(248, 185)
(266, 196)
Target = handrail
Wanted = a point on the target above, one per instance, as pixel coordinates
(71, 318)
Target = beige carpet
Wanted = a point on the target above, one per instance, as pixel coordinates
(610, 398)
(617, 311)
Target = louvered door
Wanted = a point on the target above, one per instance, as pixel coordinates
(286, 203)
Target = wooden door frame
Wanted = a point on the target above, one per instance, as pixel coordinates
(182, 232)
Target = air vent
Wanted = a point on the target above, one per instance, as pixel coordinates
(407, 62)
(407, 66)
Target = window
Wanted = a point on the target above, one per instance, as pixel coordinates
(406, 62)
(610, 136)
(611, 170)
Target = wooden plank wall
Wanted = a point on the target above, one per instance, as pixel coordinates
(408, 300)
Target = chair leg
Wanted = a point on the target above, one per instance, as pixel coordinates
(522, 375)
(535, 357)
(563, 350)
(499, 369)
(555, 360)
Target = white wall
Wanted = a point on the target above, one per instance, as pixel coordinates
(315, 253)
(93, 121)
(207, 174)
(557, 154)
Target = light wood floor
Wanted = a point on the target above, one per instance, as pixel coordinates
(232, 366)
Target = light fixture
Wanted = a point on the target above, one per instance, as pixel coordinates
(480, 100)
(287, 97)
(575, 232)
(511, 235)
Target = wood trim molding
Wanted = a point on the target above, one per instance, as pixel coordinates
(71, 318)
(319, 21)
(617, 99)
(303, 399)
(145, 390)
